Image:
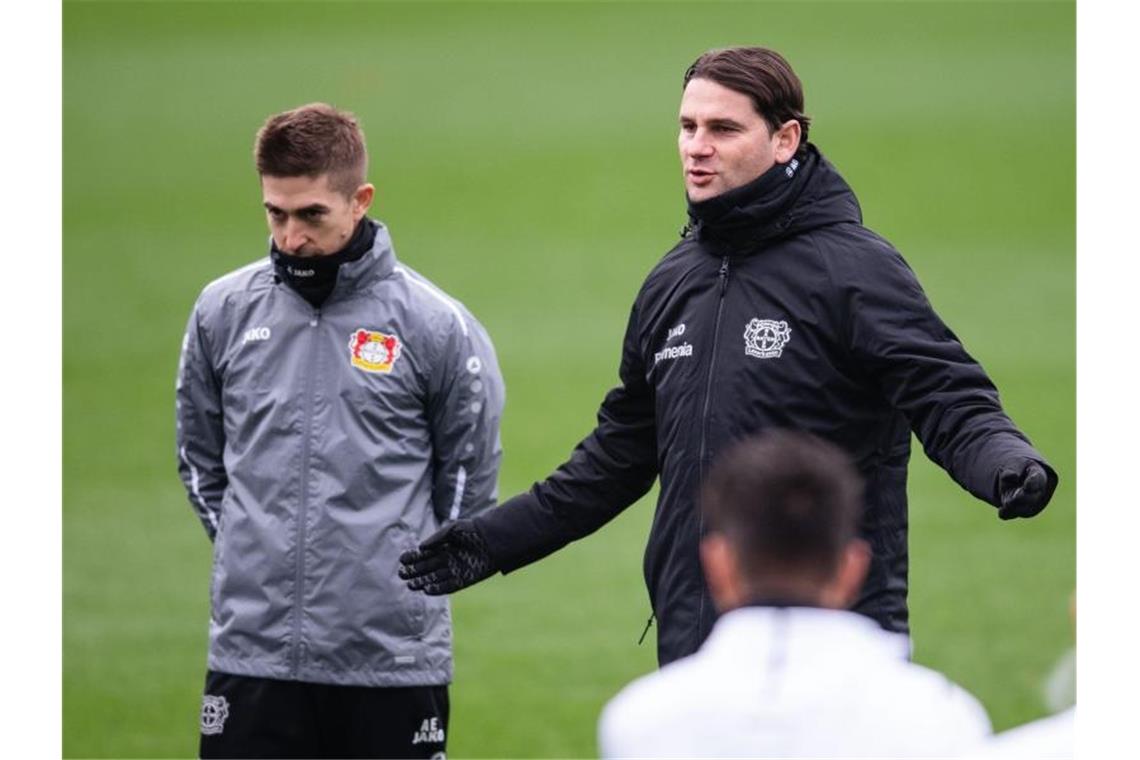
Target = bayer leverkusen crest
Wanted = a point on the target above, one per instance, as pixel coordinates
(766, 338)
(373, 351)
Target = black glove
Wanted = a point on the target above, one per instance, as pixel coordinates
(1024, 493)
(452, 558)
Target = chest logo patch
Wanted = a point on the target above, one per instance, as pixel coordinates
(373, 351)
(766, 338)
(255, 334)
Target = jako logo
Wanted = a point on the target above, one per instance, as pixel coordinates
(429, 732)
(255, 333)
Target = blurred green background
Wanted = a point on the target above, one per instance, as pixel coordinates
(525, 160)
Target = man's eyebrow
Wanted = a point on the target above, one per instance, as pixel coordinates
(724, 123)
(312, 208)
(711, 122)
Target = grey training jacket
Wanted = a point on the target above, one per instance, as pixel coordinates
(316, 446)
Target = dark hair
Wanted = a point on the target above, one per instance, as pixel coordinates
(312, 140)
(761, 74)
(787, 502)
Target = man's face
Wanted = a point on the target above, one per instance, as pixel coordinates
(307, 217)
(724, 143)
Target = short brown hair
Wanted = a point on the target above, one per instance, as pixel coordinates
(312, 140)
(761, 74)
(788, 503)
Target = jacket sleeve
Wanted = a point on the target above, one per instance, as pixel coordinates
(614, 466)
(922, 369)
(198, 427)
(465, 406)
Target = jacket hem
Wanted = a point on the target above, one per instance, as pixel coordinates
(409, 677)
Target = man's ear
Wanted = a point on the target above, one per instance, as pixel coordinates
(844, 589)
(722, 572)
(361, 200)
(787, 141)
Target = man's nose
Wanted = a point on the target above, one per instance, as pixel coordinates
(294, 236)
(699, 145)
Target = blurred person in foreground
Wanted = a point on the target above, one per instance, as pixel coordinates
(1050, 737)
(787, 671)
(334, 408)
(776, 309)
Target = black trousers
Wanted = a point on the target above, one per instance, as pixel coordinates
(263, 717)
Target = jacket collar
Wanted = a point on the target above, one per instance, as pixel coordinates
(350, 272)
(804, 193)
(751, 628)
(374, 265)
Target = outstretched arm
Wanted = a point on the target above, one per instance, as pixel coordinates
(610, 469)
(950, 402)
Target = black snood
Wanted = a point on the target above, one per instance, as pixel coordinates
(314, 277)
(744, 216)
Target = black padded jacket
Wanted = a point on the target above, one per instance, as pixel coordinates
(777, 309)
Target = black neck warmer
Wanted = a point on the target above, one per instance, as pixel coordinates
(314, 277)
(755, 212)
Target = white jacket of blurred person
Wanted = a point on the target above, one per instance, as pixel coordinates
(787, 671)
(1051, 737)
(794, 682)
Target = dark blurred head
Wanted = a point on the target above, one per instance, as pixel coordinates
(782, 512)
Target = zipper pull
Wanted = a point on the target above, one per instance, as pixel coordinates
(648, 623)
(723, 274)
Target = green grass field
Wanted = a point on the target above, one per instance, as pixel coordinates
(525, 160)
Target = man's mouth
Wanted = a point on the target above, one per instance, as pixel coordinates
(700, 176)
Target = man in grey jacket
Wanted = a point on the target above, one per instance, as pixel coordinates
(333, 409)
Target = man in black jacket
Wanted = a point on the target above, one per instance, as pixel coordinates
(777, 309)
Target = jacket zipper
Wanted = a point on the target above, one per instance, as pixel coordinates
(302, 513)
(723, 277)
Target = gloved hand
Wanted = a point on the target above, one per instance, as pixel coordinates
(1024, 492)
(452, 558)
